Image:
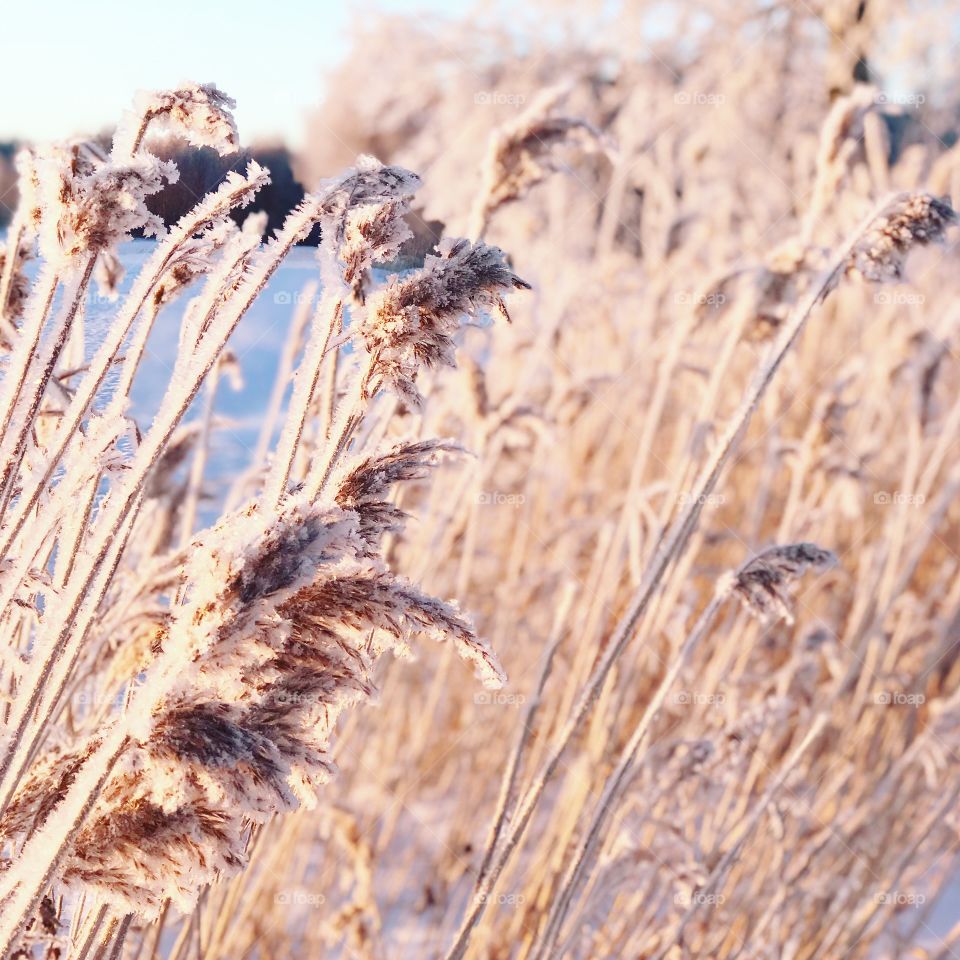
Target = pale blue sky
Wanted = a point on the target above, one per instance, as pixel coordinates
(73, 65)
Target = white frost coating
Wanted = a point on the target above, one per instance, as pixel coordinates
(198, 112)
(89, 205)
(236, 190)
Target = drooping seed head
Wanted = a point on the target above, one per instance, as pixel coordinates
(908, 221)
(411, 322)
(761, 584)
(200, 113)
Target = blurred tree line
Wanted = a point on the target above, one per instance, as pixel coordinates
(201, 170)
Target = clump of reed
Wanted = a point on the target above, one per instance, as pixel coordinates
(268, 624)
(709, 373)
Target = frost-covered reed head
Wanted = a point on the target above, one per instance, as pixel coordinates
(87, 204)
(200, 113)
(411, 322)
(524, 152)
(283, 620)
(361, 218)
(909, 220)
(761, 584)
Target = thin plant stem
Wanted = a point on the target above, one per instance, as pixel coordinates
(674, 543)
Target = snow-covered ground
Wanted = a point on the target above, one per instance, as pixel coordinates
(257, 343)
